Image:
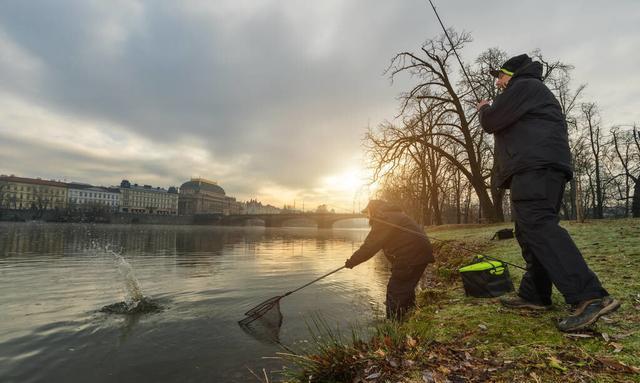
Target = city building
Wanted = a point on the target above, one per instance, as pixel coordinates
(147, 199)
(202, 196)
(84, 196)
(256, 207)
(290, 209)
(32, 193)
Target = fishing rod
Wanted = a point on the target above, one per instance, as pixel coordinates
(454, 50)
(423, 235)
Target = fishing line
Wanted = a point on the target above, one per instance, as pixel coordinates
(454, 50)
(444, 241)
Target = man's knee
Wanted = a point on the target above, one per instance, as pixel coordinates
(533, 214)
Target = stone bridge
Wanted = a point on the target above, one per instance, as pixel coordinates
(324, 221)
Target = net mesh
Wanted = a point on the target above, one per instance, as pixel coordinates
(263, 322)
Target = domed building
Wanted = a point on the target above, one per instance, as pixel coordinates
(202, 196)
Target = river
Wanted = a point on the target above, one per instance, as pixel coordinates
(54, 278)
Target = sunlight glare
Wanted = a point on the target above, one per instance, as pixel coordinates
(349, 181)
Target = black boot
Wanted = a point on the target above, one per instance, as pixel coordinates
(587, 313)
(520, 303)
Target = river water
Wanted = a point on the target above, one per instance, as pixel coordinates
(54, 278)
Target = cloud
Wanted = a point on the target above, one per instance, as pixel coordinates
(268, 97)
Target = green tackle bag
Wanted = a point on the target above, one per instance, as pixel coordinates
(486, 279)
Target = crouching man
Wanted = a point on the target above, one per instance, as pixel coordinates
(534, 161)
(404, 244)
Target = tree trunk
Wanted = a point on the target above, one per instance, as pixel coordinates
(487, 209)
(467, 209)
(573, 199)
(437, 212)
(599, 200)
(424, 199)
(458, 197)
(635, 204)
(498, 197)
(626, 195)
(579, 207)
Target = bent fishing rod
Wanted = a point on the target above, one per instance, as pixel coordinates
(455, 52)
(423, 235)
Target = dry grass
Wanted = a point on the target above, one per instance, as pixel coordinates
(458, 339)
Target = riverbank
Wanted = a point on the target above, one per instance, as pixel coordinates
(454, 338)
(10, 215)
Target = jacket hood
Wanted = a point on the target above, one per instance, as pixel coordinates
(531, 70)
(378, 207)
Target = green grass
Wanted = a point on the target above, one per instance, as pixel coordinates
(477, 339)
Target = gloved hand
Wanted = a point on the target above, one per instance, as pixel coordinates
(349, 264)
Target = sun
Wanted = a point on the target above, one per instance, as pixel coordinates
(348, 181)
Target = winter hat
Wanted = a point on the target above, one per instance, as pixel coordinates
(376, 206)
(512, 65)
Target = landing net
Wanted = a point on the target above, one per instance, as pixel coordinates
(263, 322)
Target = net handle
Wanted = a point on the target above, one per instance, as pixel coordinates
(314, 281)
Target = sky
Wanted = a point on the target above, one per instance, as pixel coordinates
(270, 98)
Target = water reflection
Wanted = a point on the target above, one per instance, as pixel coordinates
(54, 278)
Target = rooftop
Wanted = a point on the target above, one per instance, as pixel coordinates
(33, 181)
(200, 184)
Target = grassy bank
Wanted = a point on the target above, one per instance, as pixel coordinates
(454, 338)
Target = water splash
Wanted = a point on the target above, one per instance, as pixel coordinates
(132, 286)
(135, 302)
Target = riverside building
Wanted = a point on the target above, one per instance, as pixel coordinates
(22, 193)
(147, 199)
(202, 196)
(254, 206)
(83, 196)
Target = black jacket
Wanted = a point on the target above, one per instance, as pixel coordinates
(528, 125)
(402, 248)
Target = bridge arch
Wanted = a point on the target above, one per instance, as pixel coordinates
(323, 221)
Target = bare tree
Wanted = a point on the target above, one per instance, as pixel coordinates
(592, 124)
(439, 140)
(406, 151)
(635, 205)
(627, 148)
(455, 104)
(559, 83)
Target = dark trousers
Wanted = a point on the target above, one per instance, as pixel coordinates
(551, 255)
(401, 289)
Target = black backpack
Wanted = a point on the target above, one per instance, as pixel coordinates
(503, 234)
(486, 278)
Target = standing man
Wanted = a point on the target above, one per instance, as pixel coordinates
(404, 244)
(534, 161)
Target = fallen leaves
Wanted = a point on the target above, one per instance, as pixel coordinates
(617, 365)
(388, 342)
(556, 363)
(411, 342)
(373, 376)
(623, 335)
(578, 335)
(617, 347)
(385, 359)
